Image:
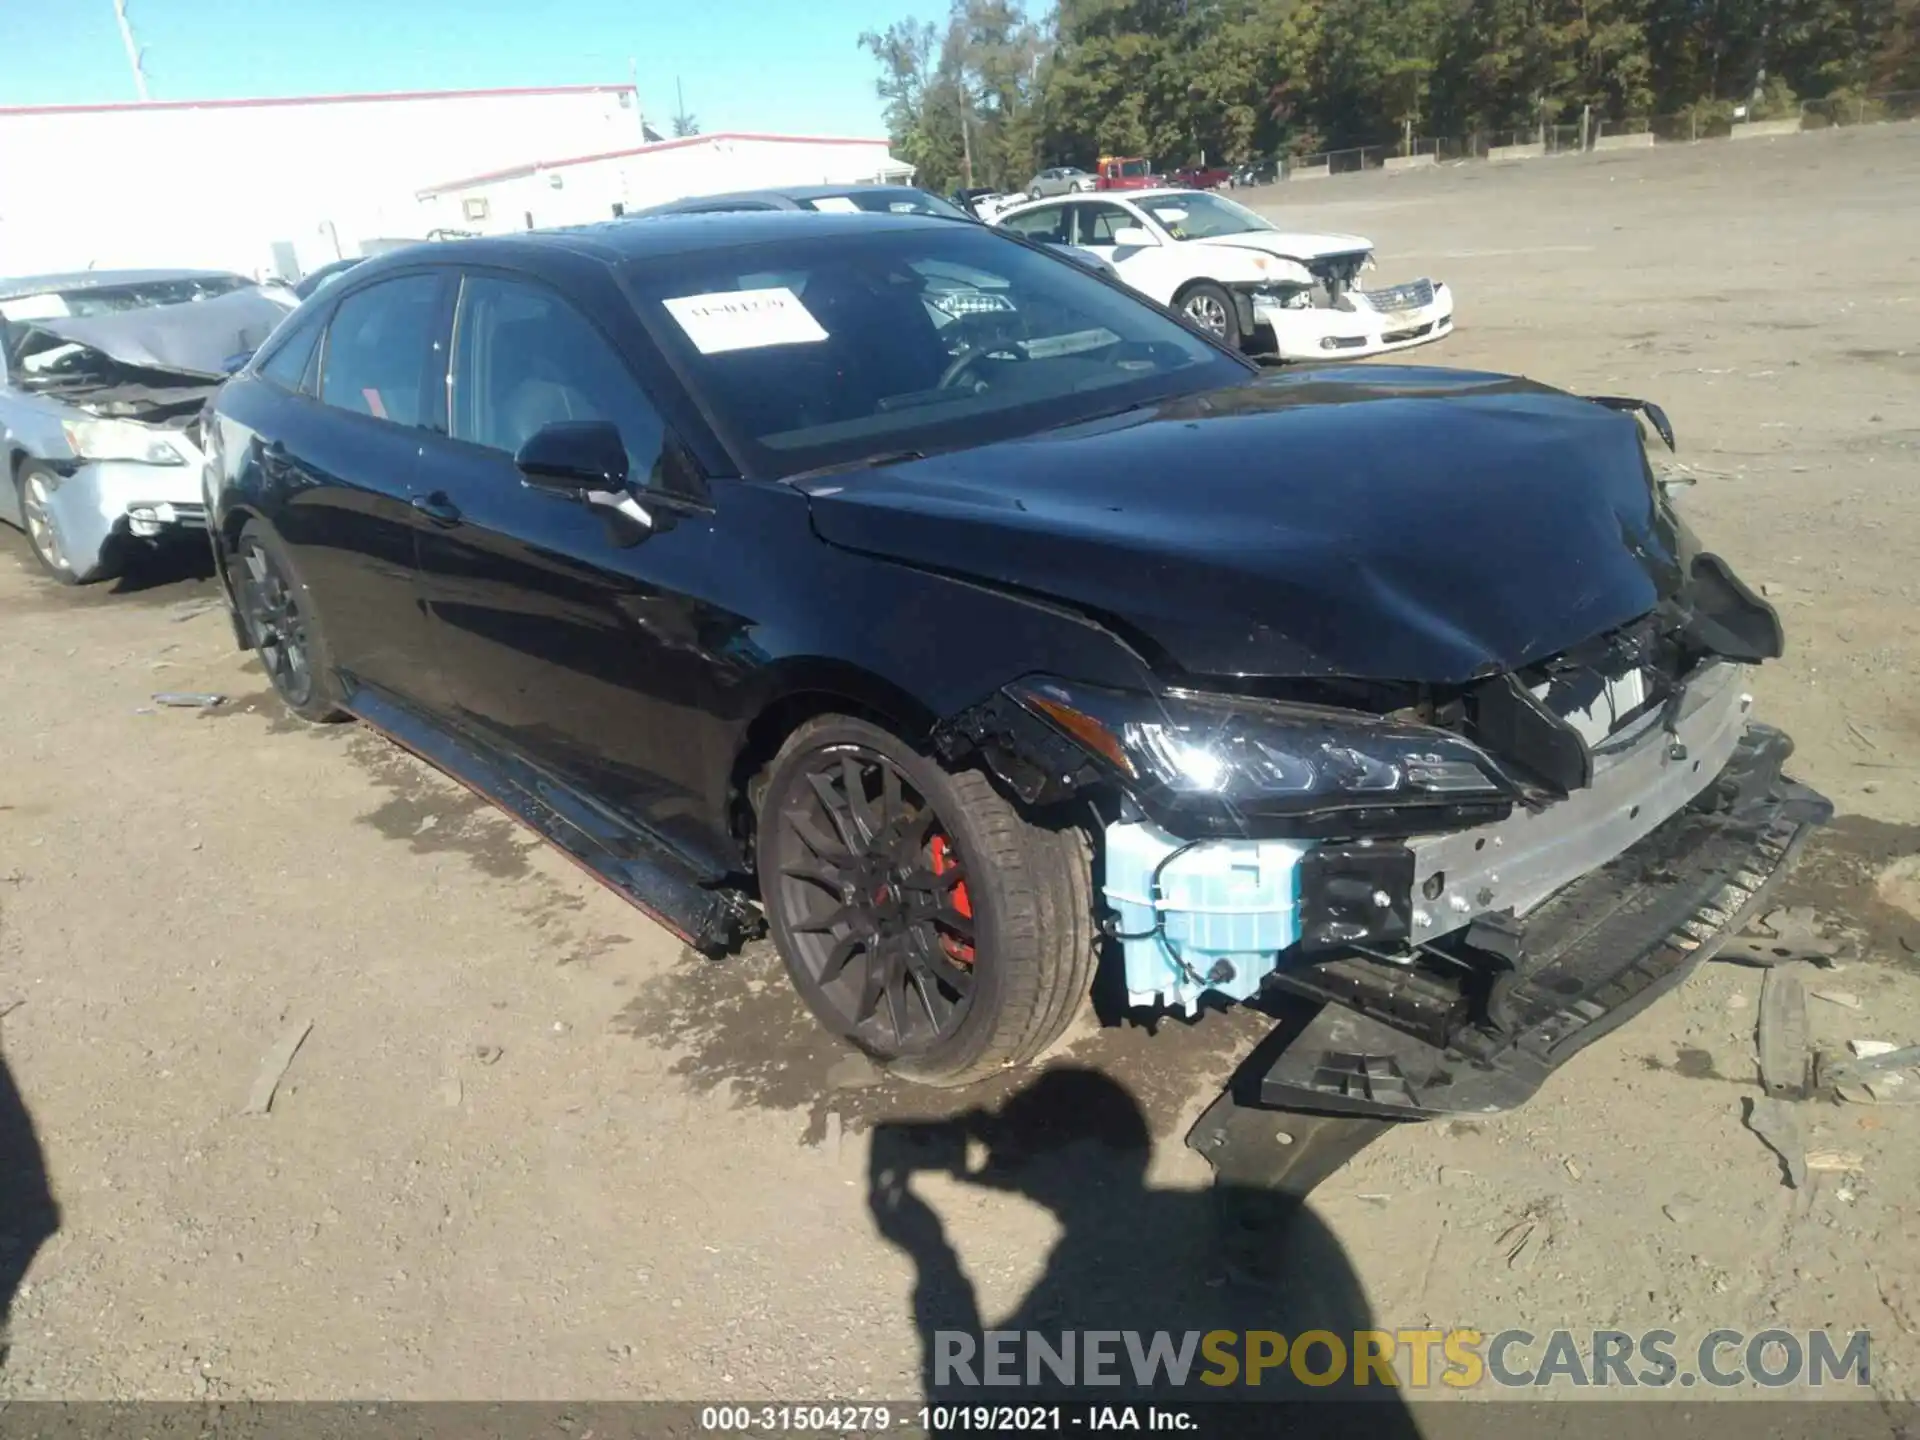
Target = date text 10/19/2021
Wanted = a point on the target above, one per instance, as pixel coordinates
(942, 1419)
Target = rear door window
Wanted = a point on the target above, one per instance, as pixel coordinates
(1048, 224)
(379, 349)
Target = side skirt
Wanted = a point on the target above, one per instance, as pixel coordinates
(630, 862)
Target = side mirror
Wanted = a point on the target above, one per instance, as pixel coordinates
(1134, 237)
(574, 457)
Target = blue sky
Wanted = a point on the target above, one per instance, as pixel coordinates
(790, 65)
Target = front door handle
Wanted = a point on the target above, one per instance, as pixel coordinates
(436, 507)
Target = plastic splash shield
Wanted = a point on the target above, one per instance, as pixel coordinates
(1223, 912)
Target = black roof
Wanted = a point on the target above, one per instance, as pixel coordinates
(783, 197)
(615, 241)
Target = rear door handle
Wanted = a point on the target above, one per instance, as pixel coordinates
(436, 507)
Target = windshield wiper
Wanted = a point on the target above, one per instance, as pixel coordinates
(864, 462)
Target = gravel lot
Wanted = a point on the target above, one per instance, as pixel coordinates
(530, 1149)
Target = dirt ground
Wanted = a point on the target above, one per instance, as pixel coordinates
(531, 1149)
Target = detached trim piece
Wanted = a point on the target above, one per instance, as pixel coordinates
(633, 865)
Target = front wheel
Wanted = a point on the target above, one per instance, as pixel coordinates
(918, 914)
(39, 515)
(1211, 308)
(283, 626)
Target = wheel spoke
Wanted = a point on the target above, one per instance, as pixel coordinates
(853, 779)
(936, 1005)
(951, 919)
(936, 964)
(835, 805)
(837, 959)
(822, 872)
(820, 925)
(804, 826)
(872, 985)
(896, 1008)
(892, 805)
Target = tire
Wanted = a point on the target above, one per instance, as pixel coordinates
(937, 894)
(34, 486)
(283, 626)
(1210, 307)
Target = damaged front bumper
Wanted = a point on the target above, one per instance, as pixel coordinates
(99, 502)
(1592, 956)
(1364, 323)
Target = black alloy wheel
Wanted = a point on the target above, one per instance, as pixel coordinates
(875, 896)
(919, 914)
(281, 625)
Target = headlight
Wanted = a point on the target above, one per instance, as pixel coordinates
(120, 440)
(1242, 753)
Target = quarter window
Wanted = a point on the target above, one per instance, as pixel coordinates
(288, 362)
(378, 349)
(524, 358)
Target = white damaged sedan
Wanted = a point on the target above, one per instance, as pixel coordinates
(1289, 293)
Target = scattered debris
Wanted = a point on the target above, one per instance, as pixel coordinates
(1679, 1210)
(1515, 1239)
(187, 700)
(1778, 1126)
(194, 608)
(273, 1068)
(1838, 1161)
(1454, 1175)
(1867, 1049)
(487, 1054)
(1572, 1169)
(1872, 1080)
(1786, 936)
(1374, 1198)
(7, 1007)
(830, 1141)
(1782, 1036)
(1861, 736)
(1838, 997)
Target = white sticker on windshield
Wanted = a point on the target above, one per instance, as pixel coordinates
(34, 307)
(745, 320)
(837, 204)
(1170, 215)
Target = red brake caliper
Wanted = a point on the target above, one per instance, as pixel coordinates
(943, 861)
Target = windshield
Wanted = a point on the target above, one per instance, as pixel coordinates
(825, 351)
(113, 299)
(1135, 169)
(895, 200)
(1200, 216)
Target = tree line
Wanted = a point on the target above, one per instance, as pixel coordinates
(987, 93)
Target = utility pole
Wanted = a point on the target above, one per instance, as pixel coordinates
(966, 136)
(133, 50)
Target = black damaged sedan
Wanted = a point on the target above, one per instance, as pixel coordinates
(965, 619)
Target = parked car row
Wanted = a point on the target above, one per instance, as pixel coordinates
(870, 577)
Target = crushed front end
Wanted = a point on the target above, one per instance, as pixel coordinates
(1472, 882)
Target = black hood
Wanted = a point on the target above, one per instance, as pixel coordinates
(1373, 522)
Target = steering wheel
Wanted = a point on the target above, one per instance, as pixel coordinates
(972, 355)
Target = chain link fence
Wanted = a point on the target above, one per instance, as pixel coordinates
(1717, 120)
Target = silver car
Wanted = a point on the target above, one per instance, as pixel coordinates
(1060, 180)
(102, 379)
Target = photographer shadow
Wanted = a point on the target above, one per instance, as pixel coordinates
(28, 1215)
(1129, 1257)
